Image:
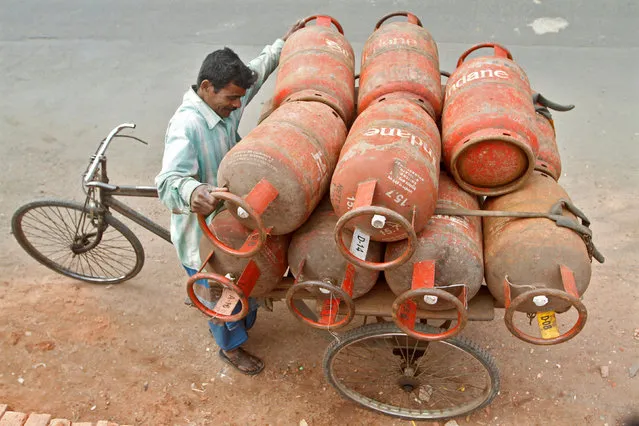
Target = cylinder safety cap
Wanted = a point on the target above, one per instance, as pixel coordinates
(243, 214)
(540, 300)
(378, 221)
(431, 300)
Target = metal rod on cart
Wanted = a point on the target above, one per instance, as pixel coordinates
(488, 213)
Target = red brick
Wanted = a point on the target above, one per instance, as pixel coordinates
(3, 408)
(38, 419)
(60, 422)
(13, 418)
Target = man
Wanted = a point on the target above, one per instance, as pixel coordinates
(200, 133)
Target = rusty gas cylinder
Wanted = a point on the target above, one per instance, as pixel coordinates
(521, 254)
(400, 57)
(266, 110)
(443, 74)
(488, 123)
(548, 160)
(453, 242)
(317, 63)
(282, 168)
(313, 247)
(271, 261)
(385, 182)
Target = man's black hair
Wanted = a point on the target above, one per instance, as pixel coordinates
(222, 67)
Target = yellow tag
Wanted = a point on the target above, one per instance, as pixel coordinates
(547, 324)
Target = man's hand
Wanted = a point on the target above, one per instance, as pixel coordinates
(202, 202)
(296, 26)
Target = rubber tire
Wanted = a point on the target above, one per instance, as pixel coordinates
(16, 229)
(370, 330)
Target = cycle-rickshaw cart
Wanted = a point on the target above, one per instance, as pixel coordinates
(415, 371)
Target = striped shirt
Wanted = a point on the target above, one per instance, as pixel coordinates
(196, 141)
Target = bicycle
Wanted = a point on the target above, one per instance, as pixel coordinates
(85, 241)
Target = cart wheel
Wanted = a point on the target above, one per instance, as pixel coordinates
(383, 369)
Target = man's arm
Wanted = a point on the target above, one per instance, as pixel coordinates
(263, 66)
(267, 62)
(178, 178)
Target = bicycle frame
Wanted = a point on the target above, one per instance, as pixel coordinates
(107, 192)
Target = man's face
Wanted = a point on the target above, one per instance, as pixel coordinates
(225, 101)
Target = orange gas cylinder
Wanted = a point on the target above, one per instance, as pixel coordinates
(313, 247)
(385, 183)
(488, 123)
(548, 160)
(319, 267)
(281, 170)
(400, 57)
(317, 64)
(533, 264)
(528, 251)
(266, 110)
(254, 276)
(445, 74)
(453, 243)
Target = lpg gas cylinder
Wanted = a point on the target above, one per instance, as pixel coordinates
(271, 261)
(488, 123)
(266, 110)
(282, 168)
(317, 63)
(388, 170)
(521, 254)
(548, 160)
(454, 243)
(400, 57)
(313, 247)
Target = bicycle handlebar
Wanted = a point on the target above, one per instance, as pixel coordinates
(102, 185)
(102, 149)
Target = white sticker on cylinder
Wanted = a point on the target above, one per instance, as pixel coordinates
(359, 244)
(324, 290)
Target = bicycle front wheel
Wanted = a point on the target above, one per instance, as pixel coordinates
(53, 232)
(382, 368)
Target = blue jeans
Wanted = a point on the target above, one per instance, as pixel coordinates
(233, 334)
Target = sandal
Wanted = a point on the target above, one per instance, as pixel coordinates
(240, 362)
